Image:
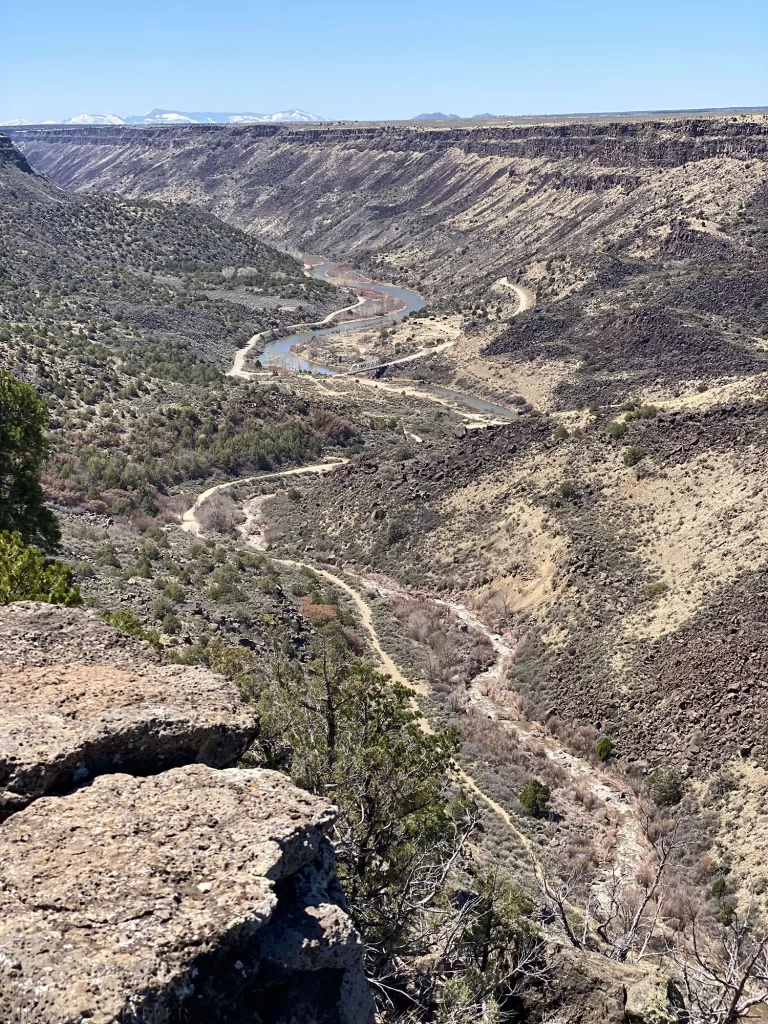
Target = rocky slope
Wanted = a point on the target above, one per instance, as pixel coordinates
(146, 891)
(613, 538)
(446, 206)
(620, 587)
(193, 283)
(643, 240)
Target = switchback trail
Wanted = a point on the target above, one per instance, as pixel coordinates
(628, 848)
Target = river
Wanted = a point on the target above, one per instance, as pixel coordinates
(278, 353)
(478, 404)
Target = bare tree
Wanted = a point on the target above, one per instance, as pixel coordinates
(473, 954)
(220, 513)
(722, 964)
(617, 916)
(723, 968)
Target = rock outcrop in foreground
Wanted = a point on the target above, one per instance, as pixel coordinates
(192, 893)
(78, 699)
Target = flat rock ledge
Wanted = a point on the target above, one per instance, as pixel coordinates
(193, 895)
(79, 699)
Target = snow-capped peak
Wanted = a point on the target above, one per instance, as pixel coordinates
(17, 122)
(293, 115)
(158, 116)
(94, 119)
(180, 117)
(167, 117)
(244, 118)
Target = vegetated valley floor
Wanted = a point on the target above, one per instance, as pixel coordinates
(613, 535)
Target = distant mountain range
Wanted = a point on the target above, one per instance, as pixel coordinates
(180, 117)
(459, 117)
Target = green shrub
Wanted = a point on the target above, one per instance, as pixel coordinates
(23, 451)
(534, 798)
(722, 783)
(727, 915)
(633, 454)
(604, 748)
(127, 622)
(655, 589)
(224, 587)
(171, 623)
(158, 534)
(161, 607)
(174, 591)
(665, 787)
(396, 532)
(643, 412)
(27, 575)
(616, 429)
(561, 432)
(106, 555)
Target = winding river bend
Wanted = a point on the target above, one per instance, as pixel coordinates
(278, 353)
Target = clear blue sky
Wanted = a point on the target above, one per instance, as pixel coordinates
(380, 60)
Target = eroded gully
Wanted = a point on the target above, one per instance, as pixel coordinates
(629, 846)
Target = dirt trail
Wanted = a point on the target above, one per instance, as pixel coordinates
(434, 350)
(366, 617)
(390, 668)
(526, 299)
(628, 848)
(238, 366)
(192, 524)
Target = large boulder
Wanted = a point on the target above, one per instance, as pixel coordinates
(192, 895)
(79, 698)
